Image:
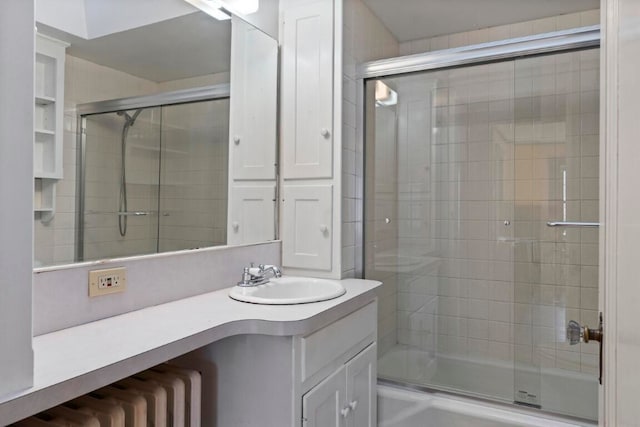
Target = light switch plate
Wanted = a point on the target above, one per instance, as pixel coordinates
(107, 281)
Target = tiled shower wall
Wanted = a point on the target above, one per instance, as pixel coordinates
(365, 38)
(194, 170)
(87, 82)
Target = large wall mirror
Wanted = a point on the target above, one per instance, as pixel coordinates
(155, 127)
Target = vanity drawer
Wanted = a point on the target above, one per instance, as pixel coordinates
(338, 342)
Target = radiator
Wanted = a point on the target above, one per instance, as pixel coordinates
(175, 389)
(193, 391)
(156, 398)
(164, 396)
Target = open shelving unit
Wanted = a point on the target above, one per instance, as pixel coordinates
(48, 125)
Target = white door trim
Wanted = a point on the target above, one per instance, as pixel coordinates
(608, 203)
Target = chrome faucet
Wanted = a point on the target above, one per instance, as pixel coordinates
(264, 269)
(252, 276)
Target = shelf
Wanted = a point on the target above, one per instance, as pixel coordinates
(45, 100)
(48, 125)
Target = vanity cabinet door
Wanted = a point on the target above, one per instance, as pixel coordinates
(361, 388)
(324, 405)
(307, 91)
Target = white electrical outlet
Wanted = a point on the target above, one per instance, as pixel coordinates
(108, 281)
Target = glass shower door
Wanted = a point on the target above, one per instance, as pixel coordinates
(471, 176)
(439, 192)
(193, 178)
(556, 206)
(120, 184)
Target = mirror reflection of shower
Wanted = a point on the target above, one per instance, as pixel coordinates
(122, 207)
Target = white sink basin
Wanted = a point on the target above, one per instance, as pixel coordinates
(289, 290)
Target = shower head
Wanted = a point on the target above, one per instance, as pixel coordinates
(130, 119)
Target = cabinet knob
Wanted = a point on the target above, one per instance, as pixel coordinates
(325, 132)
(353, 405)
(236, 139)
(323, 228)
(235, 225)
(345, 411)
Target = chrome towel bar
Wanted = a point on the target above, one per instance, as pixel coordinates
(572, 224)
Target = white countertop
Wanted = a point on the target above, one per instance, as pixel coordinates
(77, 360)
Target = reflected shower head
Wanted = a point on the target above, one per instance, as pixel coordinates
(130, 119)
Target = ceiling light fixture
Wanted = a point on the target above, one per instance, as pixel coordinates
(385, 96)
(211, 8)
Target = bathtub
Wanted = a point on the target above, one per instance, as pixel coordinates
(406, 408)
(558, 391)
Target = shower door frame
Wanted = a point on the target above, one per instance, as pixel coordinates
(185, 96)
(580, 38)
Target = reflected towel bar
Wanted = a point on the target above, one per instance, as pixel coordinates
(572, 224)
(135, 213)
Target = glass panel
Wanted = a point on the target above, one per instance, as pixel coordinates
(463, 169)
(121, 187)
(439, 198)
(193, 181)
(557, 146)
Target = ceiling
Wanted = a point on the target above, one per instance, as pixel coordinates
(416, 19)
(187, 46)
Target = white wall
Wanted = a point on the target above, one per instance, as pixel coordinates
(60, 297)
(17, 47)
(501, 32)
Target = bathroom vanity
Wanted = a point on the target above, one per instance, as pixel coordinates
(262, 365)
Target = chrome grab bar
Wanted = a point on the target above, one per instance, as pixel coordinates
(572, 224)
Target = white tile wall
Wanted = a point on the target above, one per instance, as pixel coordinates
(365, 38)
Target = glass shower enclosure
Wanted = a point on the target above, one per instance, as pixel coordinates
(481, 212)
(153, 174)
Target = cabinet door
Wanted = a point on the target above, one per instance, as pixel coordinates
(307, 101)
(253, 118)
(251, 214)
(306, 226)
(361, 388)
(324, 405)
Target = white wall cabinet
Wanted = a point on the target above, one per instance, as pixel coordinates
(252, 136)
(253, 118)
(311, 145)
(307, 226)
(251, 214)
(48, 123)
(324, 379)
(307, 93)
(347, 397)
